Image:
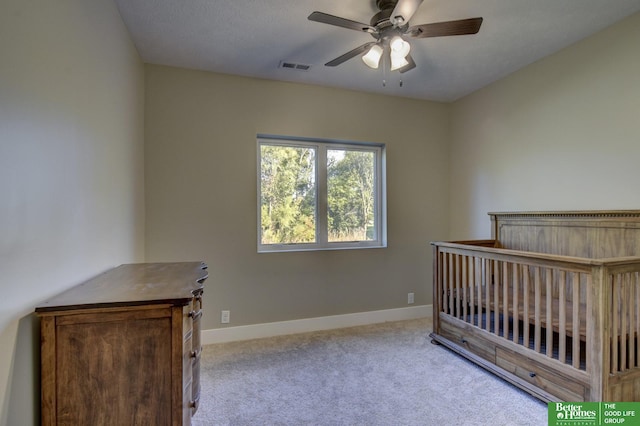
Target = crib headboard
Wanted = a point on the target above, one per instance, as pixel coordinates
(590, 234)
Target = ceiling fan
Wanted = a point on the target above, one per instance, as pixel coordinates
(389, 27)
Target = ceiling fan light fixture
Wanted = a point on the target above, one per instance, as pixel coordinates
(372, 58)
(399, 47)
(398, 62)
(399, 51)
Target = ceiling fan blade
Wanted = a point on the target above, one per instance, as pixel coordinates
(448, 28)
(403, 11)
(350, 54)
(411, 65)
(325, 18)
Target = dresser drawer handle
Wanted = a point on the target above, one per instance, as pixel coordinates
(532, 374)
(463, 340)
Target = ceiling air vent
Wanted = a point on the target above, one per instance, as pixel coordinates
(294, 66)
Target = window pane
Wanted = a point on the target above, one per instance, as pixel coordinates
(350, 195)
(287, 194)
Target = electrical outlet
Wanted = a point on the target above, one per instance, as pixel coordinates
(225, 317)
(410, 299)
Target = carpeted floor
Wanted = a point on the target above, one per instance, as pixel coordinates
(383, 374)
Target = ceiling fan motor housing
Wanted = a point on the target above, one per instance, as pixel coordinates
(385, 29)
(386, 4)
(381, 19)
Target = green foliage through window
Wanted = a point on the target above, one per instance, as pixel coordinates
(350, 195)
(288, 200)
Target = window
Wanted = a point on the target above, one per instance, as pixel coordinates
(318, 195)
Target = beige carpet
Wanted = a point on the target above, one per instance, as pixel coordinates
(385, 374)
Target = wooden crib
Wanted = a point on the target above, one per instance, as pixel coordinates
(550, 303)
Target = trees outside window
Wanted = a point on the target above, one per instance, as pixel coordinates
(319, 195)
(288, 194)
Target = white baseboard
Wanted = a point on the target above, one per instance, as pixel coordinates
(256, 331)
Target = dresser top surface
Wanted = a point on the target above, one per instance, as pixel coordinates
(132, 285)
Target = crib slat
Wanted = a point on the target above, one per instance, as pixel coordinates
(636, 303)
(496, 296)
(549, 313)
(525, 305)
(450, 279)
(505, 300)
(624, 314)
(456, 268)
(465, 285)
(472, 287)
(440, 277)
(444, 285)
(486, 283)
(479, 275)
(452, 284)
(589, 320)
(575, 350)
(562, 314)
(632, 328)
(537, 319)
(516, 308)
(615, 301)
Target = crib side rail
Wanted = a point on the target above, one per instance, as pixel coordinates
(534, 300)
(583, 313)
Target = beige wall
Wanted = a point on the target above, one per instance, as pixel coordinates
(563, 133)
(200, 157)
(71, 168)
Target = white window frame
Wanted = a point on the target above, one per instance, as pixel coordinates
(321, 146)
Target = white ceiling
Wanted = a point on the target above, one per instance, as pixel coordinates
(251, 38)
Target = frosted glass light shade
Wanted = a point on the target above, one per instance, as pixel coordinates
(398, 61)
(399, 47)
(372, 58)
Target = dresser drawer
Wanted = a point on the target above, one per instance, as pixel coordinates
(555, 381)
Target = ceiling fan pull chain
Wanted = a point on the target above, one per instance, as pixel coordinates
(384, 71)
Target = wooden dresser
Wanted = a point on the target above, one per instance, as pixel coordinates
(124, 347)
